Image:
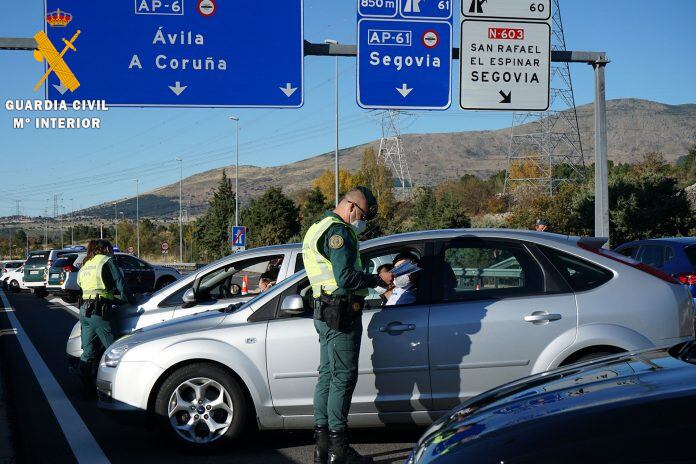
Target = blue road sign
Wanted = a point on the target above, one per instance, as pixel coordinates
(181, 52)
(427, 9)
(404, 64)
(380, 8)
(239, 236)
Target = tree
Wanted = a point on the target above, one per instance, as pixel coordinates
(271, 219)
(212, 230)
(379, 180)
(326, 183)
(312, 209)
(442, 211)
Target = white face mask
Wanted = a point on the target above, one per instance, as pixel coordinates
(402, 281)
(358, 226)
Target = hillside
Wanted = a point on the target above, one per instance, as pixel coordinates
(635, 127)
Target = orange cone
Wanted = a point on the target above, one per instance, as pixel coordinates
(245, 285)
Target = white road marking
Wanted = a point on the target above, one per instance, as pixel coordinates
(74, 310)
(81, 441)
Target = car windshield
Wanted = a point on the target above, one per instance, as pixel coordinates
(270, 292)
(65, 261)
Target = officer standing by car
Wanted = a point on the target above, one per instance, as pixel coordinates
(98, 278)
(331, 256)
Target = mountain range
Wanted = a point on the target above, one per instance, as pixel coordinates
(634, 127)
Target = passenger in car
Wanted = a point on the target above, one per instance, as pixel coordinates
(406, 285)
(385, 292)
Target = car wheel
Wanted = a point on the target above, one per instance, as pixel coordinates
(163, 282)
(201, 406)
(14, 286)
(69, 298)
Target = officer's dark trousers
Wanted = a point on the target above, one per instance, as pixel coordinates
(96, 332)
(338, 373)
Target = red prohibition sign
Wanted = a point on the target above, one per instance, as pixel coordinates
(207, 8)
(431, 39)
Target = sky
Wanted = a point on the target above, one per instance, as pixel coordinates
(650, 45)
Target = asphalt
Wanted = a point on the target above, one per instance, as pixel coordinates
(36, 434)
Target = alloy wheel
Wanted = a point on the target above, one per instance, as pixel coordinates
(200, 410)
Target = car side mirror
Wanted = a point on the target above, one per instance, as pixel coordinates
(189, 298)
(292, 305)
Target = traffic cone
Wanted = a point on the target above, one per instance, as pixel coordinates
(245, 285)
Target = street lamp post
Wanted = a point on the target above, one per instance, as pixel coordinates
(181, 223)
(72, 222)
(116, 224)
(236, 177)
(137, 215)
(335, 42)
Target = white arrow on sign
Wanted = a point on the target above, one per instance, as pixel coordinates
(288, 90)
(61, 88)
(404, 90)
(178, 89)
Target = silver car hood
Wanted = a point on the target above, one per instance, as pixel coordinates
(182, 325)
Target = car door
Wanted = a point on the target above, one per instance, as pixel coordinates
(393, 372)
(497, 306)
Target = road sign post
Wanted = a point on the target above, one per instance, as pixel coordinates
(182, 52)
(239, 238)
(404, 54)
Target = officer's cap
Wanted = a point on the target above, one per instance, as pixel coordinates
(371, 201)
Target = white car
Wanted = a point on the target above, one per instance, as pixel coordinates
(491, 306)
(13, 280)
(211, 288)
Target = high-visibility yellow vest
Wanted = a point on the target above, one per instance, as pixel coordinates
(319, 268)
(90, 279)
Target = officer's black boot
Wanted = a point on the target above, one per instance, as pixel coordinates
(321, 451)
(340, 451)
(87, 378)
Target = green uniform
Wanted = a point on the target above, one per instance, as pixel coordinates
(331, 255)
(99, 277)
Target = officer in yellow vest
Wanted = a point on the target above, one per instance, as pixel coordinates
(98, 278)
(331, 257)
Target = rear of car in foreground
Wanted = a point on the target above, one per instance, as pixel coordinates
(35, 272)
(629, 408)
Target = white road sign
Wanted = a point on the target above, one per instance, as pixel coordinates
(505, 65)
(538, 10)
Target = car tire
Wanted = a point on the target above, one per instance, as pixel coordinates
(14, 286)
(69, 298)
(219, 401)
(163, 282)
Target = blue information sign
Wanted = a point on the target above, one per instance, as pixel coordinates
(238, 236)
(209, 53)
(427, 9)
(405, 63)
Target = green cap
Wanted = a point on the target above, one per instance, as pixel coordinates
(371, 202)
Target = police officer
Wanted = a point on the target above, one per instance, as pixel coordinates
(331, 256)
(541, 225)
(99, 278)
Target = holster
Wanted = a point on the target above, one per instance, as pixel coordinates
(339, 312)
(100, 307)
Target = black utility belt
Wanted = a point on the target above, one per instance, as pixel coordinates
(339, 311)
(98, 307)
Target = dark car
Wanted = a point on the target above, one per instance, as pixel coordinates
(675, 256)
(635, 407)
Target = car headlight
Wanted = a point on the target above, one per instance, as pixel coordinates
(113, 356)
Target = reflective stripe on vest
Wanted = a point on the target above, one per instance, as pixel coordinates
(90, 279)
(319, 268)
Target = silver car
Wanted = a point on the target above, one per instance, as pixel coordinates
(492, 306)
(218, 286)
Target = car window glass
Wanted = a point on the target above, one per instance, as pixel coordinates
(691, 254)
(628, 251)
(38, 258)
(580, 274)
(130, 262)
(374, 262)
(669, 254)
(228, 281)
(480, 270)
(299, 263)
(176, 298)
(65, 261)
(652, 255)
